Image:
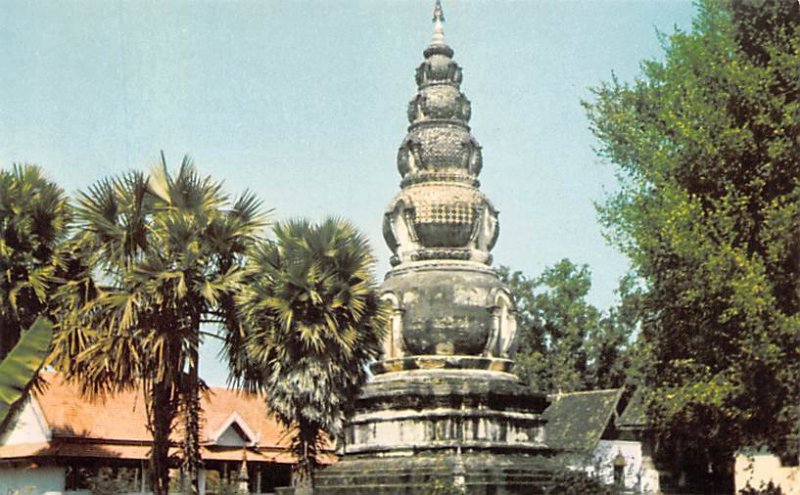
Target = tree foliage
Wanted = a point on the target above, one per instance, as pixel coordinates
(566, 343)
(574, 482)
(34, 224)
(166, 253)
(707, 148)
(314, 324)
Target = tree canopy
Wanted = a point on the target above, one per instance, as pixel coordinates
(34, 225)
(164, 253)
(314, 323)
(566, 343)
(706, 144)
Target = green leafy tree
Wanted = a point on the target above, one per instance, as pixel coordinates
(566, 319)
(34, 220)
(167, 253)
(314, 324)
(531, 361)
(707, 148)
(614, 345)
(111, 481)
(566, 343)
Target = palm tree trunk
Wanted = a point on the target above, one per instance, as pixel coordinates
(306, 456)
(191, 444)
(161, 420)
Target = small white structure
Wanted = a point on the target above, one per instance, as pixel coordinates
(27, 433)
(588, 428)
(623, 463)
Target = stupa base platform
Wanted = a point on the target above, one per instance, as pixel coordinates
(483, 473)
(430, 410)
(424, 431)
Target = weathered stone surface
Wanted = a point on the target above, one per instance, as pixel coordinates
(434, 362)
(443, 405)
(440, 213)
(433, 410)
(445, 310)
(484, 473)
(423, 388)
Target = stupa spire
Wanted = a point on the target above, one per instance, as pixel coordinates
(438, 13)
(442, 404)
(440, 212)
(438, 21)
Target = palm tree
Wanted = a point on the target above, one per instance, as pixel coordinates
(34, 219)
(168, 254)
(314, 323)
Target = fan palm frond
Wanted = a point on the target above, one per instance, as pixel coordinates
(313, 323)
(170, 251)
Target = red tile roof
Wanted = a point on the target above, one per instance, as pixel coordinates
(123, 417)
(116, 426)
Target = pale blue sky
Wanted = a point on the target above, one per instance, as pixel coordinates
(304, 103)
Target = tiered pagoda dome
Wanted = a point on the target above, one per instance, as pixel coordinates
(441, 229)
(443, 404)
(440, 213)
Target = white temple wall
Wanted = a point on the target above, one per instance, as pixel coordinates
(27, 426)
(639, 473)
(32, 481)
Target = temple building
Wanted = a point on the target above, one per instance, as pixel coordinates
(61, 442)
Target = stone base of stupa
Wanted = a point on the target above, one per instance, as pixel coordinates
(481, 473)
(418, 429)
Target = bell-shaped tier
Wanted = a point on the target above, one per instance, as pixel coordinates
(442, 102)
(448, 309)
(445, 147)
(439, 144)
(440, 220)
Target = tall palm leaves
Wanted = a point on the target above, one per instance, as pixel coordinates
(314, 323)
(34, 216)
(168, 255)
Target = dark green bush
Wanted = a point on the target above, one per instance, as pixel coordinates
(763, 489)
(110, 481)
(570, 482)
